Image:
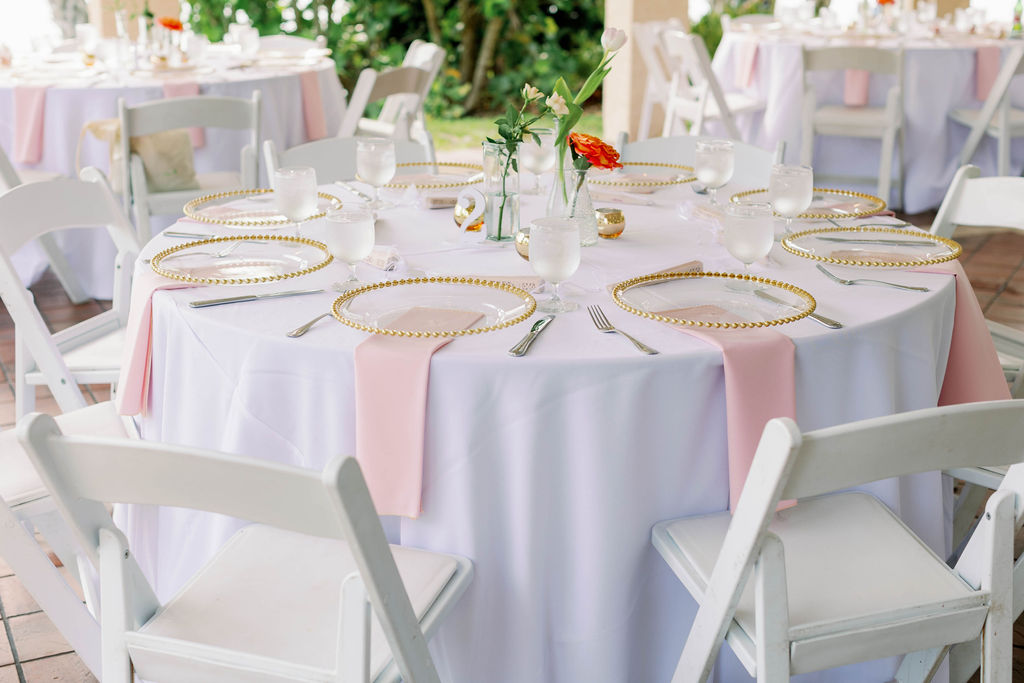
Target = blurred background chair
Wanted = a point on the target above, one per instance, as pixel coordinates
(333, 159)
(646, 35)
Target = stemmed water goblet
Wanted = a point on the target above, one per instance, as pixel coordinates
(714, 164)
(349, 236)
(295, 193)
(747, 232)
(790, 190)
(538, 159)
(555, 256)
(375, 164)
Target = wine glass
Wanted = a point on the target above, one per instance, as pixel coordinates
(349, 236)
(538, 159)
(555, 256)
(295, 193)
(747, 232)
(790, 190)
(714, 164)
(375, 164)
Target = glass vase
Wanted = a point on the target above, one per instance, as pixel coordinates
(501, 190)
(570, 198)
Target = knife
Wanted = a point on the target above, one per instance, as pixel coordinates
(523, 346)
(187, 235)
(251, 297)
(894, 243)
(359, 193)
(827, 322)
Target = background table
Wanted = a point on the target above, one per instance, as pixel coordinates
(548, 471)
(939, 76)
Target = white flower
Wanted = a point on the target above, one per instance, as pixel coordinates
(612, 39)
(530, 93)
(556, 103)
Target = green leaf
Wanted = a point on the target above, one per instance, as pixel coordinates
(591, 85)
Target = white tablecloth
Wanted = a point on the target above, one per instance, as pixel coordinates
(70, 106)
(938, 77)
(548, 471)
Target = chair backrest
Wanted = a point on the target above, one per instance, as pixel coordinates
(694, 80)
(422, 55)
(972, 200)
(997, 103)
(293, 44)
(753, 165)
(333, 158)
(8, 175)
(373, 85)
(82, 474)
(791, 465)
(647, 36)
(874, 59)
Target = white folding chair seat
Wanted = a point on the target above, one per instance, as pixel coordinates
(997, 118)
(333, 158)
(855, 122)
(97, 361)
(970, 118)
(172, 202)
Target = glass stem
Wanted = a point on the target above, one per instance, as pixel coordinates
(554, 293)
(713, 192)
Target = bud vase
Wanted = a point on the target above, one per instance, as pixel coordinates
(501, 190)
(570, 198)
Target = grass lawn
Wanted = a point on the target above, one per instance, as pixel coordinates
(469, 132)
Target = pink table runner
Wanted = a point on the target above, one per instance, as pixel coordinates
(29, 116)
(187, 89)
(746, 61)
(855, 87)
(313, 106)
(391, 381)
(986, 68)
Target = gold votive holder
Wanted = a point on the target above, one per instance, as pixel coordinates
(610, 222)
(522, 242)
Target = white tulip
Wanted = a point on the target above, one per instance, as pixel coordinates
(613, 39)
(557, 105)
(530, 93)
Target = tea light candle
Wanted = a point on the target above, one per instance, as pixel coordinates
(610, 222)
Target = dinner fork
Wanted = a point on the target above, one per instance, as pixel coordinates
(602, 324)
(863, 280)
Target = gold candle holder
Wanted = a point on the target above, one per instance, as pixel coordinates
(522, 241)
(610, 222)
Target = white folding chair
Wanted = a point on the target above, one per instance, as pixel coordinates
(839, 578)
(186, 112)
(646, 35)
(884, 123)
(753, 165)
(695, 95)
(294, 45)
(333, 158)
(88, 352)
(287, 598)
(996, 118)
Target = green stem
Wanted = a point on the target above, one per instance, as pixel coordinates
(576, 194)
(504, 194)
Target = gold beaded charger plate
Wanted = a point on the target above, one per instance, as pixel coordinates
(374, 308)
(641, 176)
(713, 300)
(825, 203)
(875, 246)
(442, 175)
(253, 209)
(242, 260)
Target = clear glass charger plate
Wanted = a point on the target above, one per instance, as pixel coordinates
(250, 209)
(825, 203)
(713, 300)
(874, 246)
(242, 260)
(641, 176)
(436, 176)
(377, 307)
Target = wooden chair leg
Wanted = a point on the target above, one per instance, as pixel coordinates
(997, 634)
(771, 613)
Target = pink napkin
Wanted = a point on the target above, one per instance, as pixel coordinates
(313, 106)
(986, 68)
(186, 89)
(855, 87)
(29, 114)
(973, 372)
(746, 60)
(391, 376)
(137, 357)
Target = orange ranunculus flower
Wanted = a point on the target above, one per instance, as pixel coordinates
(169, 23)
(596, 151)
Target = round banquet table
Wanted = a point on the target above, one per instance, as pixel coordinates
(72, 101)
(548, 471)
(939, 76)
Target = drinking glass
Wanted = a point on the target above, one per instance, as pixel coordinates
(714, 164)
(349, 236)
(537, 159)
(790, 190)
(555, 256)
(747, 232)
(375, 164)
(295, 193)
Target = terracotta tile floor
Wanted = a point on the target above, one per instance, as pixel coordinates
(31, 649)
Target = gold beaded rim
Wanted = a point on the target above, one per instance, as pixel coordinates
(156, 260)
(440, 186)
(611, 182)
(621, 287)
(528, 301)
(954, 247)
(735, 199)
(191, 209)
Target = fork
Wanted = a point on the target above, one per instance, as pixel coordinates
(868, 281)
(602, 324)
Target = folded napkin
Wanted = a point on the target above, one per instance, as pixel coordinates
(383, 258)
(855, 87)
(29, 116)
(391, 381)
(137, 356)
(986, 68)
(313, 106)
(746, 60)
(759, 384)
(187, 89)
